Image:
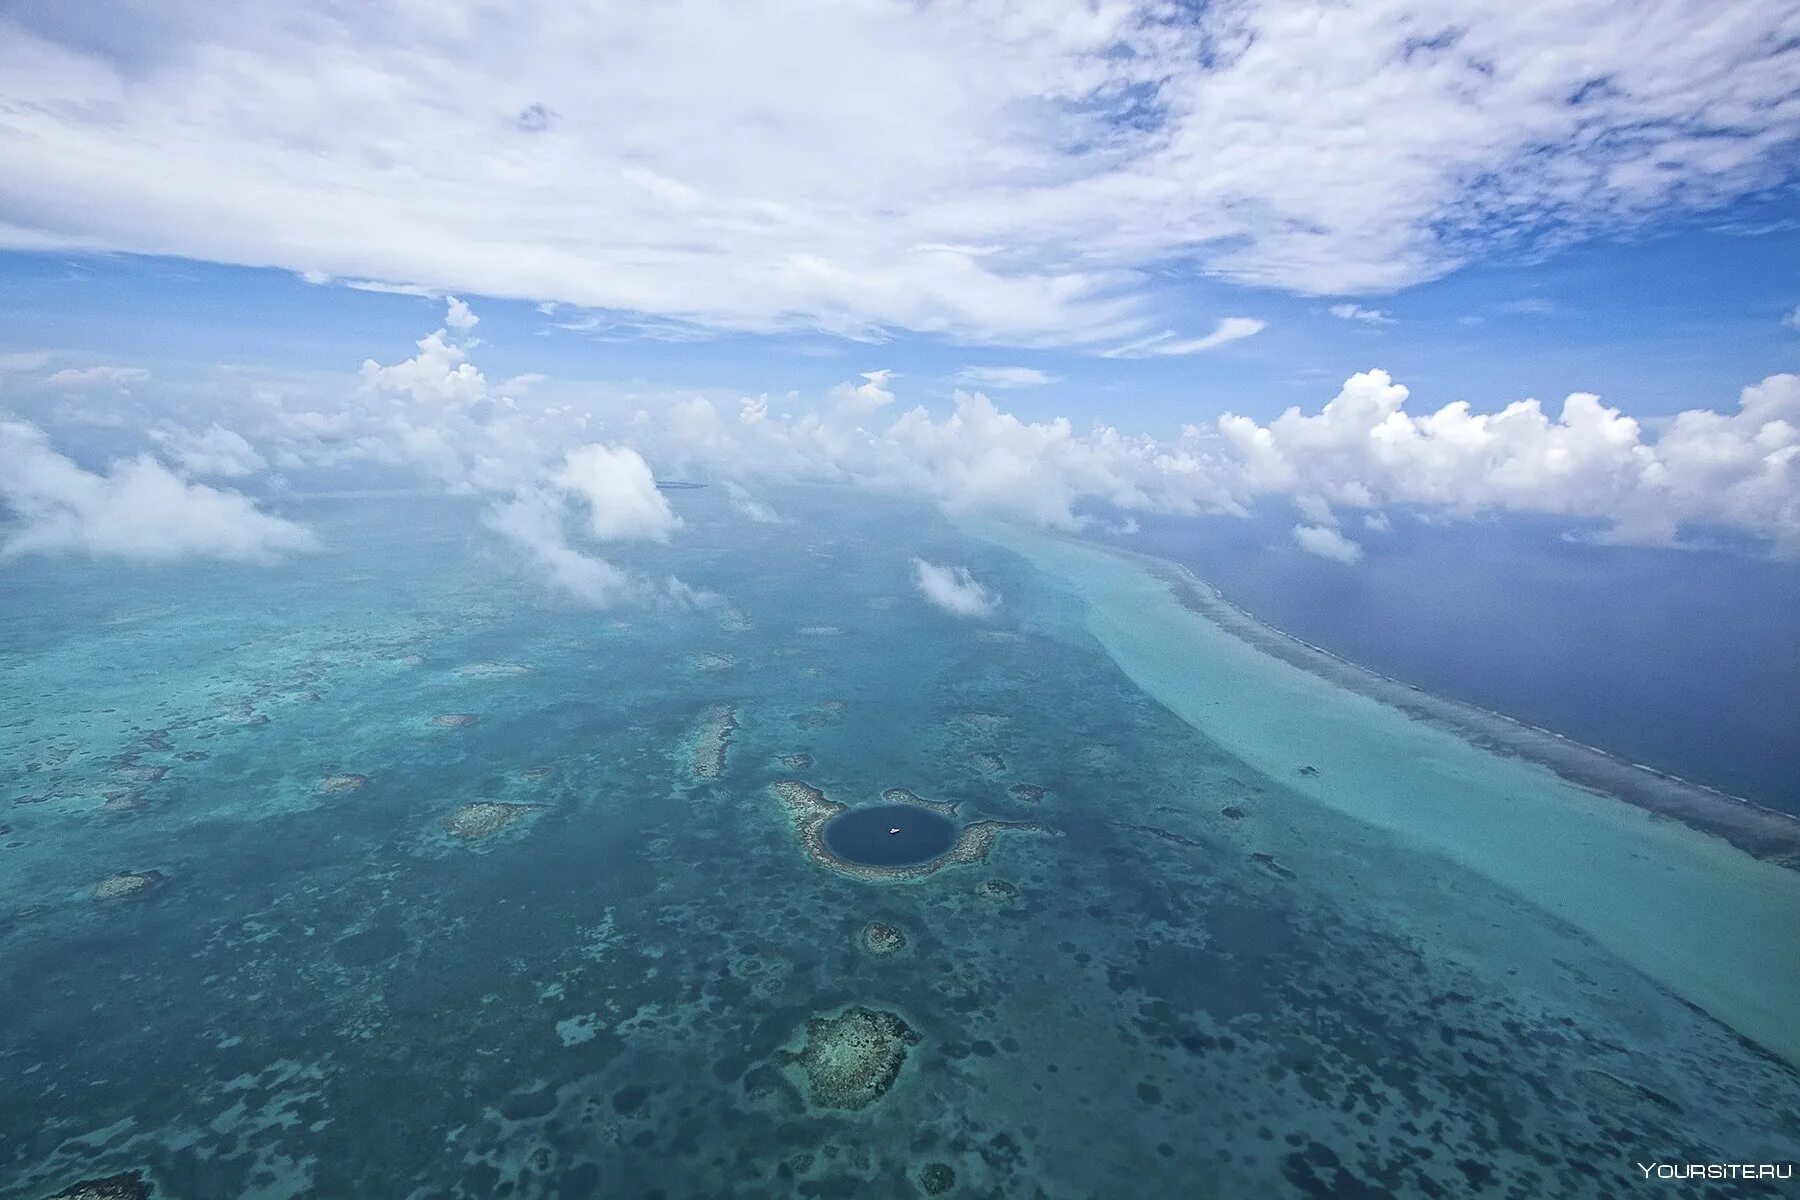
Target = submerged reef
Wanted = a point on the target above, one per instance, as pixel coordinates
(711, 740)
(127, 1185)
(811, 809)
(882, 940)
(998, 889)
(454, 720)
(1028, 792)
(987, 762)
(797, 762)
(333, 784)
(493, 670)
(484, 817)
(711, 661)
(851, 1060)
(937, 1178)
(127, 884)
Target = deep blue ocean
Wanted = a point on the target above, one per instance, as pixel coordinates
(1686, 661)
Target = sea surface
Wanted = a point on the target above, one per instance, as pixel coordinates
(1684, 660)
(1272, 937)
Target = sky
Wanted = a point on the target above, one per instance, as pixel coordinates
(1057, 263)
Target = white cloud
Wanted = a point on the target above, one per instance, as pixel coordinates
(1004, 378)
(213, 451)
(1792, 321)
(533, 521)
(619, 492)
(954, 590)
(460, 318)
(1360, 456)
(1229, 329)
(120, 378)
(748, 506)
(1327, 542)
(1356, 312)
(1040, 168)
(138, 509)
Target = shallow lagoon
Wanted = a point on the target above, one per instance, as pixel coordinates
(1215, 981)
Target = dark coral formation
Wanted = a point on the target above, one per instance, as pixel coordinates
(128, 884)
(485, 817)
(797, 762)
(1267, 862)
(127, 1185)
(998, 889)
(1028, 792)
(1167, 835)
(1233, 812)
(881, 940)
(851, 1060)
(937, 1178)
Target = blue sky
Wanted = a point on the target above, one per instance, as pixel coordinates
(1667, 319)
(1122, 257)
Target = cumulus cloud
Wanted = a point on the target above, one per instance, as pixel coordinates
(118, 378)
(460, 318)
(534, 522)
(1365, 452)
(620, 494)
(1004, 378)
(954, 590)
(213, 451)
(1166, 343)
(1041, 166)
(136, 509)
(1327, 542)
(1356, 312)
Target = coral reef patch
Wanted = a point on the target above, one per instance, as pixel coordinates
(128, 884)
(706, 759)
(454, 720)
(937, 1178)
(882, 940)
(852, 1059)
(482, 818)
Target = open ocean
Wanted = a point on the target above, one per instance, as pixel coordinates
(1687, 661)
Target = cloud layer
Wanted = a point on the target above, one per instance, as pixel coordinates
(1019, 173)
(575, 467)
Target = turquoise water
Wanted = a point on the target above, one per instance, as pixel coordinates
(1222, 977)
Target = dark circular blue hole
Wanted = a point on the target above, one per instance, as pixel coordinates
(888, 835)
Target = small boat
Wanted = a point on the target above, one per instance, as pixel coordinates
(893, 831)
